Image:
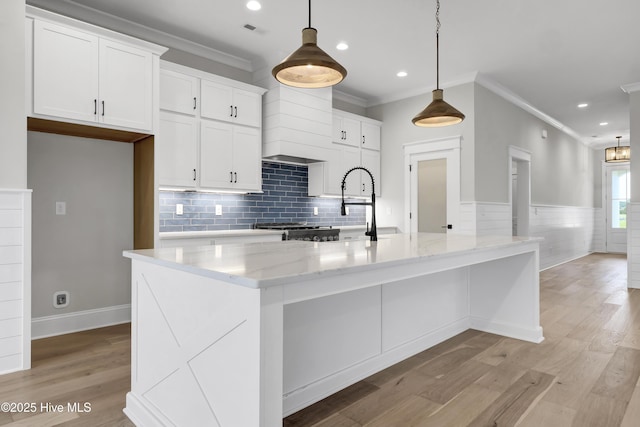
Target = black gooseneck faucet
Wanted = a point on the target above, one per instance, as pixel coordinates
(373, 233)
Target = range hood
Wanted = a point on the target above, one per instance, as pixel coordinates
(297, 124)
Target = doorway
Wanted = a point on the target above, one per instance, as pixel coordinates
(519, 190)
(432, 185)
(617, 196)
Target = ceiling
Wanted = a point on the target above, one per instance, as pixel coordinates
(551, 54)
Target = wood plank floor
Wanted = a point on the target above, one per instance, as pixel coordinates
(585, 373)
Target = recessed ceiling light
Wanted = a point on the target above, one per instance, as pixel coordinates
(401, 74)
(604, 123)
(583, 105)
(254, 5)
(342, 46)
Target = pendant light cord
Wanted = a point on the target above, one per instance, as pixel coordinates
(437, 42)
(309, 14)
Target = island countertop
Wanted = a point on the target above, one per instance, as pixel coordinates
(259, 265)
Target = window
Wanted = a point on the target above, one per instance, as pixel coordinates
(620, 195)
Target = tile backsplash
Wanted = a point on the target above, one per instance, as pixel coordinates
(284, 199)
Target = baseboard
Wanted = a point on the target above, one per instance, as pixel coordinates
(48, 326)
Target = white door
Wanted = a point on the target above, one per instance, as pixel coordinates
(247, 108)
(247, 158)
(216, 155)
(618, 195)
(177, 150)
(440, 201)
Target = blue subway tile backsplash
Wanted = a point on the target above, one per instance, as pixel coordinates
(284, 199)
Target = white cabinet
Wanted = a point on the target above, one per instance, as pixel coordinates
(177, 150)
(80, 76)
(346, 130)
(230, 157)
(346, 153)
(229, 104)
(200, 146)
(179, 92)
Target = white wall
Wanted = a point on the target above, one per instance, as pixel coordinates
(13, 143)
(80, 252)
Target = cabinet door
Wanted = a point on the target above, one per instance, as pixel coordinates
(370, 136)
(178, 92)
(177, 145)
(65, 73)
(247, 108)
(351, 159)
(247, 158)
(125, 86)
(216, 101)
(216, 155)
(346, 131)
(371, 161)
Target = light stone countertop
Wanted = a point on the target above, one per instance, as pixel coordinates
(216, 233)
(259, 265)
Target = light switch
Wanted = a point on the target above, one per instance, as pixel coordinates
(315, 210)
(61, 208)
(179, 209)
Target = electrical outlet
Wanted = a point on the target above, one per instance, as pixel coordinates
(218, 210)
(60, 299)
(315, 210)
(179, 209)
(61, 208)
(346, 209)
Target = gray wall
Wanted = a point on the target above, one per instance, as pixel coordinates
(80, 252)
(13, 143)
(398, 130)
(562, 168)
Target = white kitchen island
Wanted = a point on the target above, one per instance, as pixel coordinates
(242, 335)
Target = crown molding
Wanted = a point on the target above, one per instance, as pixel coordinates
(87, 14)
(518, 101)
(631, 87)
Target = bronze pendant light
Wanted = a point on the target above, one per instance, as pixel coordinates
(439, 112)
(309, 66)
(617, 154)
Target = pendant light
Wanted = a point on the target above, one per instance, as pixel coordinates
(617, 154)
(309, 66)
(439, 112)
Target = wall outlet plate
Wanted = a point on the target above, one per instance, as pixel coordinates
(218, 210)
(61, 208)
(315, 210)
(60, 299)
(179, 209)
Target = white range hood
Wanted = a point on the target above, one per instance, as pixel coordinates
(297, 124)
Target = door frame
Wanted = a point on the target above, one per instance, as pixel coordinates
(523, 204)
(606, 192)
(441, 148)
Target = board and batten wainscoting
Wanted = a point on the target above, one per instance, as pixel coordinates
(284, 199)
(15, 280)
(633, 245)
(569, 232)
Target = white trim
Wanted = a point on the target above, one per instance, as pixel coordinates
(47, 326)
(351, 99)
(631, 87)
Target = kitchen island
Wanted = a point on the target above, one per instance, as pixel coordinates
(242, 335)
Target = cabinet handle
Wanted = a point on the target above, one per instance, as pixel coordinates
(363, 139)
(102, 108)
(236, 111)
(235, 175)
(95, 107)
(194, 103)
(231, 177)
(194, 174)
(231, 108)
(363, 188)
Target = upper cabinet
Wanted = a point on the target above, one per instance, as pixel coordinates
(211, 132)
(90, 77)
(229, 104)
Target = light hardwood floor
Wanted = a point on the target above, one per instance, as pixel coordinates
(584, 374)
